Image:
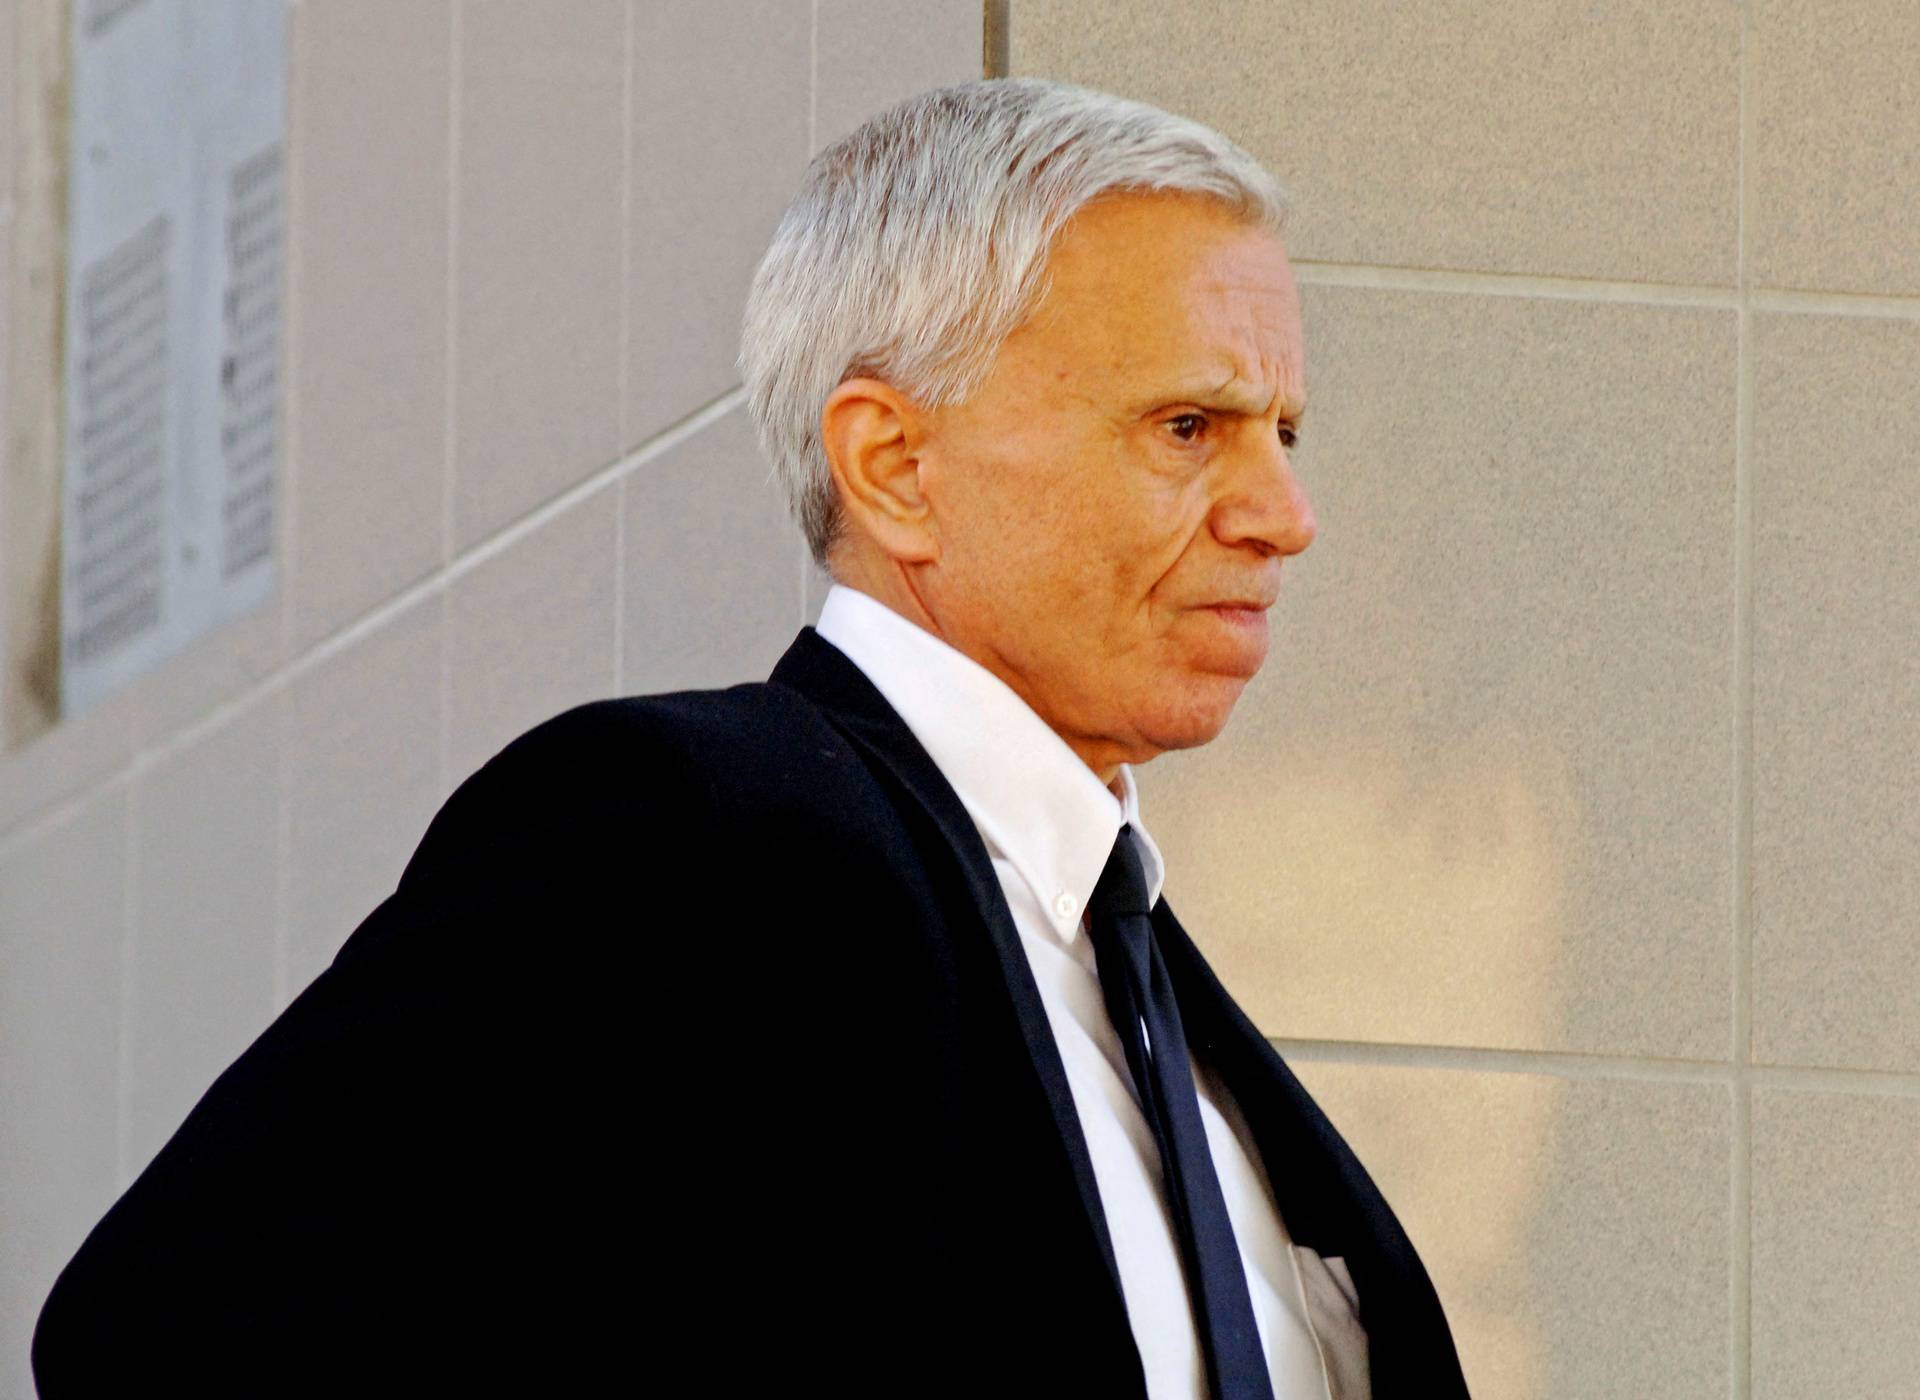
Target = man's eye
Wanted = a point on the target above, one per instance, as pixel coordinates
(1289, 437)
(1187, 426)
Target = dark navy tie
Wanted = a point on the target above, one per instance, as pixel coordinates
(1134, 982)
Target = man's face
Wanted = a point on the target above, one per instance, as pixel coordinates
(1122, 473)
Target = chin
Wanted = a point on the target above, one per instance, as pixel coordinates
(1198, 716)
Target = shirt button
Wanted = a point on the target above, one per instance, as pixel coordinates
(1065, 905)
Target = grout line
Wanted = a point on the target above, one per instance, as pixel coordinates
(626, 226)
(1417, 279)
(1834, 304)
(449, 462)
(1775, 299)
(450, 388)
(1559, 1063)
(129, 937)
(288, 501)
(806, 566)
(282, 853)
(1808, 1079)
(377, 617)
(1740, 1174)
(996, 39)
(443, 645)
(626, 352)
(1564, 1064)
(620, 586)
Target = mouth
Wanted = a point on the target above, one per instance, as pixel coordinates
(1241, 614)
(1238, 645)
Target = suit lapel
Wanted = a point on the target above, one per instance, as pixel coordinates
(820, 671)
(1327, 1200)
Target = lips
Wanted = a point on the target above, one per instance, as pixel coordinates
(1257, 599)
(1243, 613)
(1236, 643)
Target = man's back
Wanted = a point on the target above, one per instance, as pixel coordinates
(676, 1046)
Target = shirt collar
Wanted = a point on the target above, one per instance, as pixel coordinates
(1030, 794)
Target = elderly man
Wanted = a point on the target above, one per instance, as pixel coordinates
(831, 1031)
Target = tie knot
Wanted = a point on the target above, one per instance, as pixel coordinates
(1123, 884)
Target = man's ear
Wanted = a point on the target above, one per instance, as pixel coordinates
(872, 434)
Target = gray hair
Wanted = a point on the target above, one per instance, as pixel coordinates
(918, 243)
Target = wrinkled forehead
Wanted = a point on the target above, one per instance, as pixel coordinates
(1148, 287)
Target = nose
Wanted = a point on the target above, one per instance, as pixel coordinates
(1261, 503)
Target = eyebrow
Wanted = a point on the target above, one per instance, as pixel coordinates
(1231, 395)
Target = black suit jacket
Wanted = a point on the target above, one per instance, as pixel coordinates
(695, 1052)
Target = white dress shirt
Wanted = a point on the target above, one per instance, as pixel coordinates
(1049, 824)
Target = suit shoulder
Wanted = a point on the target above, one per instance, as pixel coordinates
(688, 719)
(627, 764)
(706, 739)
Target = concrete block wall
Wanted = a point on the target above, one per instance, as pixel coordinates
(519, 477)
(1569, 844)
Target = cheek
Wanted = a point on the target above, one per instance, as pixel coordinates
(1026, 566)
(1080, 554)
(1164, 543)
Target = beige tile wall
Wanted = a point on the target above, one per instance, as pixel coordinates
(369, 154)
(1568, 843)
(1836, 1283)
(1577, 1224)
(1836, 691)
(64, 931)
(540, 198)
(519, 477)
